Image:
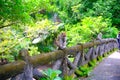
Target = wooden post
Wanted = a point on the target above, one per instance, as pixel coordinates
(75, 63)
(65, 67)
(28, 69)
(57, 64)
(80, 62)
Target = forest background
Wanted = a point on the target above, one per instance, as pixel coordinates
(34, 24)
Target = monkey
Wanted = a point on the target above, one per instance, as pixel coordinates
(99, 37)
(61, 41)
(3, 61)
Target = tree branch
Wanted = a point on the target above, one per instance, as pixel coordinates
(7, 25)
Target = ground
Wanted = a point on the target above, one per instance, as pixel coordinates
(108, 69)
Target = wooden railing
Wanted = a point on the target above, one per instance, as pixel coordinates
(82, 53)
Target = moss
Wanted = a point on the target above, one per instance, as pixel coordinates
(99, 58)
(70, 78)
(85, 70)
(92, 63)
(86, 65)
(71, 59)
(105, 54)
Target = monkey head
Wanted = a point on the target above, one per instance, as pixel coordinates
(63, 34)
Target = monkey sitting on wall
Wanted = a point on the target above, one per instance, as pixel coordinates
(61, 41)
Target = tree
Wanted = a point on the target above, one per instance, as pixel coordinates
(19, 11)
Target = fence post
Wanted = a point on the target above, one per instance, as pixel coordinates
(80, 62)
(28, 69)
(65, 67)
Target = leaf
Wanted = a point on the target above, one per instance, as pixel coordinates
(57, 78)
(58, 72)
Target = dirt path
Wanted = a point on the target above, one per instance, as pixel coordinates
(108, 69)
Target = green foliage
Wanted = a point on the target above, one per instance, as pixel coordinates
(33, 50)
(54, 75)
(92, 63)
(87, 30)
(68, 10)
(85, 70)
(100, 58)
(71, 59)
(24, 11)
(101, 8)
(15, 38)
(110, 32)
(30, 24)
(51, 74)
(70, 78)
(105, 55)
(12, 11)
